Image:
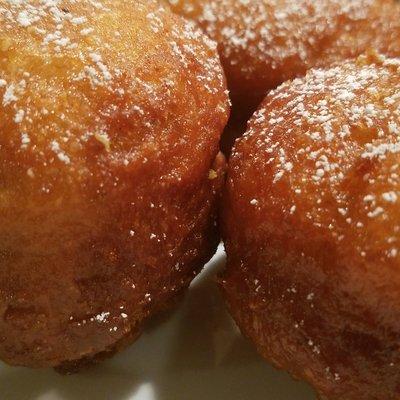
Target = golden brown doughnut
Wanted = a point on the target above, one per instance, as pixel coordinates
(111, 114)
(312, 232)
(263, 43)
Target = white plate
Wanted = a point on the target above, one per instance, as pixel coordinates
(196, 354)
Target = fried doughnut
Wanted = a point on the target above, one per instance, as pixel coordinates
(109, 175)
(263, 43)
(312, 232)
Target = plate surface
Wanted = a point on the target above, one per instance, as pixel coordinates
(195, 354)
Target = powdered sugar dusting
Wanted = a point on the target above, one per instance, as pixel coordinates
(316, 132)
(72, 36)
(267, 42)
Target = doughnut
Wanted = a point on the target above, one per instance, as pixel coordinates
(263, 43)
(109, 172)
(311, 228)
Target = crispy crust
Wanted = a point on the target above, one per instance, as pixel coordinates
(311, 225)
(108, 133)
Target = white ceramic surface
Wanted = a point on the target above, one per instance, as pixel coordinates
(195, 354)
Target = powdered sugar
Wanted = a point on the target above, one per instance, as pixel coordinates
(325, 125)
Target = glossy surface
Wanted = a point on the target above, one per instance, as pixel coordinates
(311, 226)
(109, 135)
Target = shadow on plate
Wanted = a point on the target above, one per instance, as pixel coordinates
(196, 354)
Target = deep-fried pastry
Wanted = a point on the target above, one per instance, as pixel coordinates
(311, 227)
(111, 114)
